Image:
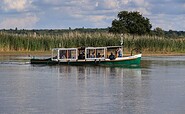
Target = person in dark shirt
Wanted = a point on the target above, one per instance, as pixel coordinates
(111, 57)
(81, 55)
(98, 55)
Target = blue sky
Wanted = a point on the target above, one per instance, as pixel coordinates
(59, 14)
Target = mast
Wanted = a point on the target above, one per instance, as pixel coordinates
(122, 43)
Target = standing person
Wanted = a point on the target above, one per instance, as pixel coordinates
(120, 53)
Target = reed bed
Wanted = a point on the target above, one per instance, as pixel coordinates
(13, 42)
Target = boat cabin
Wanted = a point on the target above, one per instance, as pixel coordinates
(85, 53)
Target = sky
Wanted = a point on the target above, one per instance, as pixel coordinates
(62, 14)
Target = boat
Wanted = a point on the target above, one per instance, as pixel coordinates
(110, 55)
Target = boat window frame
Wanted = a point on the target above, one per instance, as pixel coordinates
(114, 50)
(66, 58)
(54, 57)
(95, 48)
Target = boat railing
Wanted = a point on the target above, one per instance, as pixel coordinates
(102, 58)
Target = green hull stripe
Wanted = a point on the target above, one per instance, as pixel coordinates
(113, 62)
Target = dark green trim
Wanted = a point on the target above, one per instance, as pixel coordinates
(111, 62)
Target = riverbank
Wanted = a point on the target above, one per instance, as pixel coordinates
(162, 54)
(25, 53)
(48, 53)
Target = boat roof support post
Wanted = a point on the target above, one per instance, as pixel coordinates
(52, 54)
(104, 52)
(58, 54)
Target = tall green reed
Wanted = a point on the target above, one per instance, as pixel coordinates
(13, 42)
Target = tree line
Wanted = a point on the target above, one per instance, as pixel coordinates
(156, 32)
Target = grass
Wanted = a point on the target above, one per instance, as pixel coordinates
(27, 43)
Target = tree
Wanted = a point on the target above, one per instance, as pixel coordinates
(130, 22)
(159, 31)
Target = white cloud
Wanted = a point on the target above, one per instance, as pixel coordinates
(18, 5)
(166, 22)
(111, 4)
(142, 6)
(88, 13)
(20, 22)
(96, 4)
(108, 4)
(183, 5)
(125, 2)
(96, 18)
(141, 3)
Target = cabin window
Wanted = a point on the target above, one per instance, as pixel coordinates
(90, 53)
(115, 50)
(100, 53)
(67, 54)
(63, 54)
(72, 54)
(95, 53)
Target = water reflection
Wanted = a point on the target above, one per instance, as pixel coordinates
(89, 71)
(157, 86)
(101, 89)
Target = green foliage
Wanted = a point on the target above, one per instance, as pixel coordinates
(158, 31)
(13, 42)
(130, 22)
(60, 32)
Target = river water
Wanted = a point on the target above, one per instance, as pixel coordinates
(157, 86)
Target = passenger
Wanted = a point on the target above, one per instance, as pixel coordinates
(111, 57)
(63, 56)
(81, 55)
(98, 55)
(92, 56)
(119, 52)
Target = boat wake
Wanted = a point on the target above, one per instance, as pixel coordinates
(15, 63)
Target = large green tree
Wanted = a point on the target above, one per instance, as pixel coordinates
(130, 22)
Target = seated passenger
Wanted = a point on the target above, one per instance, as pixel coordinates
(81, 55)
(63, 57)
(98, 55)
(111, 57)
(92, 56)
